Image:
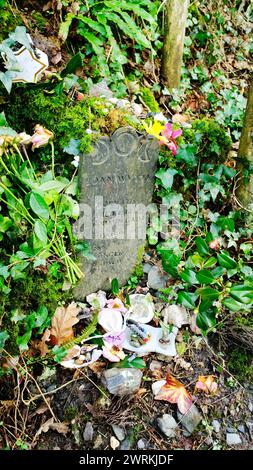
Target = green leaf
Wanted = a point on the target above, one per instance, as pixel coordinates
(210, 262)
(186, 154)
(205, 277)
(65, 26)
(166, 177)
(189, 276)
(75, 62)
(3, 338)
(73, 147)
(39, 206)
(115, 286)
(234, 305)
(3, 121)
(41, 316)
(207, 293)
(54, 185)
(40, 230)
(226, 261)
(202, 246)
(22, 341)
(218, 272)
(206, 320)
(242, 293)
(137, 363)
(16, 315)
(187, 299)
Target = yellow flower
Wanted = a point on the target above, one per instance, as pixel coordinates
(155, 130)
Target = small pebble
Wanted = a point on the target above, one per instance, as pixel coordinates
(233, 439)
(88, 432)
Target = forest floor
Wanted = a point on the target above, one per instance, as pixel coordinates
(67, 410)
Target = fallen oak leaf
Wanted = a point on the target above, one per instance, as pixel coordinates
(62, 428)
(62, 322)
(207, 384)
(174, 391)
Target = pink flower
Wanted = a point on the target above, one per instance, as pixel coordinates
(113, 353)
(171, 137)
(215, 244)
(117, 304)
(41, 137)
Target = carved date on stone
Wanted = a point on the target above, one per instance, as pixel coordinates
(116, 186)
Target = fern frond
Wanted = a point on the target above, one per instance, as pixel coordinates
(88, 331)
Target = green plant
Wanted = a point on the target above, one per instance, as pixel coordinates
(106, 25)
(208, 261)
(37, 208)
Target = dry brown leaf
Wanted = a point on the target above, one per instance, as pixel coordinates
(41, 345)
(97, 367)
(63, 321)
(62, 428)
(141, 392)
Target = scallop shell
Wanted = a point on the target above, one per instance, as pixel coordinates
(111, 320)
(141, 308)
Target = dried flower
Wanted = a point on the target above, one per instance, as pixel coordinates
(215, 244)
(41, 137)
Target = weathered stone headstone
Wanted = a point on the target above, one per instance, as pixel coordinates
(116, 184)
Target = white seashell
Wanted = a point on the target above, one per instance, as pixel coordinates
(176, 315)
(141, 308)
(111, 320)
(97, 299)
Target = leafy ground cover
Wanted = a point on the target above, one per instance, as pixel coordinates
(208, 266)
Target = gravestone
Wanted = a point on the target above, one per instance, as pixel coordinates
(116, 185)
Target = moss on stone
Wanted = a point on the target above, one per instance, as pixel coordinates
(149, 100)
(10, 18)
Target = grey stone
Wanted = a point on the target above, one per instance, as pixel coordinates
(249, 425)
(88, 432)
(119, 432)
(233, 439)
(146, 268)
(231, 429)
(156, 280)
(190, 420)
(216, 425)
(168, 425)
(126, 444)
(250, 406)
(122, 381)
(116, 186)
(141, 444)
(241, 428)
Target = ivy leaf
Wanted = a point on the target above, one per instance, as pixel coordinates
(186, 153)
(3, 338)
(166, 177)
(16, 315)
(175, 392)
(22, 341)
